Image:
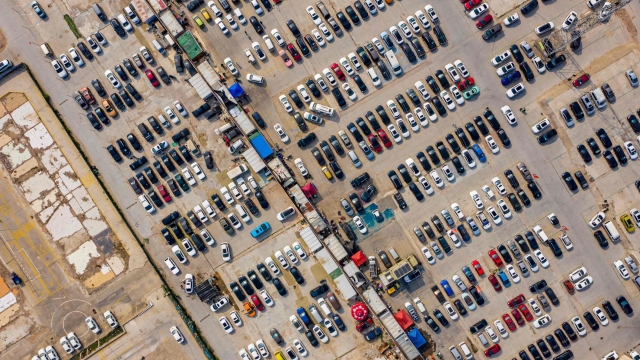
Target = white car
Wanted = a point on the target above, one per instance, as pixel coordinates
(427, 254)
(172, 266)
(534, 306)
(512, 272)
(378, 45)
(596, 220)
(198, 170)
(453, 73)
(314, 16)
(631, 150)
(328, 324)
(492, 144)
(423, 20)
(447, 100)
(332, 80)
(584, 283)
(492, 335)
(372, 8)
(350, 93)
(478, 10)
(635, 214)
(493, 214)
(281, 259)
(511, 19)
(59, 69)
(300, 347)
(347, 68)
(430, 112)
(222, 27)
(243, 354)
(498, 184)
(504, 209)
(578, 274)
(394, 133)
(569, 21)
(354, 60)
(450, 310)
(622, 270)
(456, 209)
(298, 248)
(188, 246)
(66, 345)
(541, 321)
(436, 250)
(412, 167)
(424, 122)
(498, 59)
(253, 351)
(232, 22)
(301, 167)
(112, 79)
(432, 13)
(318, 37)
(456, 94)
(67, 63)
(226, 325)
(461, 68)
(179, 254)
(436, 179)
(540, 126)
(325, 31)
(508, 114)
(375, 79)
(176, 334)
(361, 227)
(543, 260)
(422, 90)
(290, 254)
(188, 176)
(276, 35)
(415, 27)
(488, 191)
(476, 199)
(403, 128)
(181, 110)
(501, 330)
(272, 265)
(582, 331)
(405, 29)
(285, 103)
(239, 15)
(280, 131)
(631, 76)
(257, 7)
(284, 214)
(111, 319)
(76, 57)
(250, 58)
(515, 90)
(393, 108)
(448, 173)
(544, 28)
(506, 68)
(412, 122)
(425, 184)
(94, 45)
(539, 65)
(601, 316)
(466, 155)
(267, 298)
(93, 325)
(454, 238)
(188, 283)
(564, 239)
(146, 203)
(262, 347)
(320, 334)
(226, 251)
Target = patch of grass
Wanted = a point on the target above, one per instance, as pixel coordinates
(72, 26)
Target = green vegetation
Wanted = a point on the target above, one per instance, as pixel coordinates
(72, 26)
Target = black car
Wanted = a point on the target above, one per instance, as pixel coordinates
(560, 335)
(491, 32)
(416, 191)
(413, 97)
(569, 331)
(136, 95)
(353, 16)
(313, 88)
(431, 44)
(504, 139)
(442, 150)
(373, 53)
(571, 184)
(463, 137)
(126, 98)
(361, 85)
(484, 130)
(264, 272)
(624, 304)
(117, 101)
(437, 223)
(491, 119)
(395, 180)
(208, 159)
(440, 317)
(505, 253)
(372, 120)
(282, 290)
(529, 7)
(354, 132)
(297, 275)
(432, 154)
(163, 75)
(512, 179)
(577, 110)
(312, 43)
(303, 47)
(515, 52)
(405, 173)
(608, 156)
(262, 199)
(543, 348)
(581, 179)
(537, 286)
(514, 202)
(411, 56)
(363, 126)
(458, 165)
(363, 55)
(177, 59)
(601, 239)
(604, 138)
(344, 21)
(535, 191)
(400, 200)
(363, 12)
(555, 62)
(478, 327)
(336, 170)
(338, 96)
(246, 285)
(403, 103)
(98, 87)
(420, 52)
(593, 323)
(593, 145)
(634, 123)
(300, 121)
(311, 337)
(117, 27)
(582, 150)
(258, 27)
(237, 291)
(432, 84)
(432, 324)
(442, 39)
(473, 133)
(383, 69)
(294, 29)
(452, 143)
(442, 79)
(94, 122)
(114, 153)
(544, 138)
(383, 115)
(611, 311)
(526, 70)
(622, 158)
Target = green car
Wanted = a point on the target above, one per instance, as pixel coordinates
(471, 92)
(183, 184)
(197, 20)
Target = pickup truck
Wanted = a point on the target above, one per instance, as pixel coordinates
(373, 271)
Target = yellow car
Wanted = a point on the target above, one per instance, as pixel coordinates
(198, 21)
(327, 173)
(109, 108)
(628, 224)
(205, 15)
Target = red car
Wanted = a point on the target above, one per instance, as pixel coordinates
(163, 192)
(364, 324)
(516, 301)
(384, 138)
(496, 258)
(510, 323)
(336, 69)
(294, 52)
(569, 286)
(88, 96)
(495, 283)
(484, 21)
(581, 80)
(257, 302)
(152, 78)
(471, 4)
(492, 350)
(525, 311)
(519, 319)
(478, 267)
(375, 144)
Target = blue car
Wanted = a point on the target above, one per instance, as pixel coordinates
(373, 334)
(261, 229)
(302, 313)
(479, 153)
(504, 278)
(38, 10)
(447, 288)
(386, 39)
(509, 78)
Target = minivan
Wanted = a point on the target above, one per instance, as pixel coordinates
(98, 10)
(242, 212)
(394, 254)
(354, 158)
(455, 353)
(46, 49)
(611, 230)
(598, 97)
(393, 62)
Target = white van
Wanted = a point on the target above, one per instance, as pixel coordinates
(455, 353)
(611, 230)
(374, 77)
(420, 306)
(132, 15)
(125, 23)
(354, 158)
(321, 109)
(242, 212)
(598, 97)
(324, 306)
(268, 42)
(465, 350)
(593, 3)
(159, 47)
(394, 254)
(393, 62)
(236, 146)
(316, 315)
(46, 49)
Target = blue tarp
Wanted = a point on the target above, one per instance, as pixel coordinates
(236, 90)
(261, 145)
(416, 337)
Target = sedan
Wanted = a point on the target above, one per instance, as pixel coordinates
(581, 80)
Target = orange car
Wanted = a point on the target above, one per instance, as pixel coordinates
(109, 108)
(249, 309)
